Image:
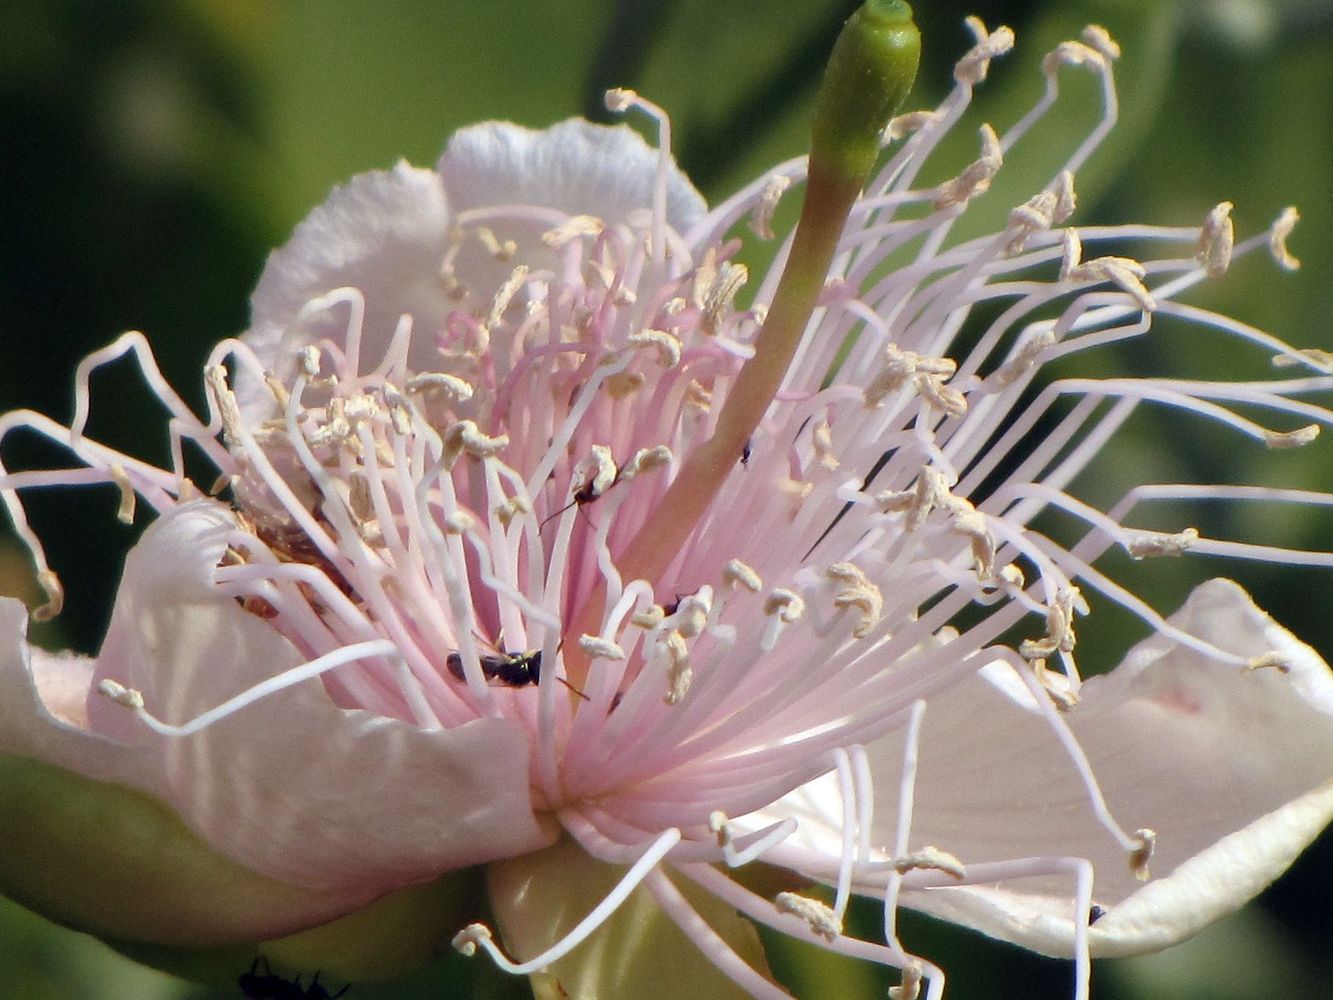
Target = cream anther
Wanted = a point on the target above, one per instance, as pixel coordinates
(927, 374)
(649, 618)
(1100, 39)
(1150, 544)
(1277, 238)
(1026, 358)
(858, 593)
(575, 227)
(1138, 860)
(1042, 211)
(972, 524)
(399, 407)
(1124, 272)
(1315, 356)
(788, 605)
(465, 437)
(910, 987)
(667, 345)
(439, 383)
(822, 438)
(598, 648)
(731, 278)
(505, 295)
(621, 385)
(1072, 54)
(973, 67)
(1057, 686)
(121, 694)
(1301, 436)
(459, 522)
(1059, 635)
(215, 380)
(512, 508)
(1272, 660)
(308, 358)
(679, 673)
(908, 124)
(761, 216)
(619, 99)
(55, 596)
(976, 177)
(737, 574)
(125, 512)
(501, 251)
(930, 858)
(646, 460)
(1012, 576)
(819, 916)
(280, 394)
(604, 474)
(466, 940)
(1216, 239)
(697, 396)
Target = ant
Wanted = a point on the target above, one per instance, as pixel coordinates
(265, 985)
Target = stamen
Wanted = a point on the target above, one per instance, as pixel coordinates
(819, 916)
(471, 937)
(1216, 239)
(1277, 238)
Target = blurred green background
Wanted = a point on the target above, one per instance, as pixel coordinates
(153, 151)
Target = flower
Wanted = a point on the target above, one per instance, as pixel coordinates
(537, 538)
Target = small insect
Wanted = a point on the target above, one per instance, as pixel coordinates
(260, 983)
(1096, 913)
(745, 451)
(514, 670)
(592, 490)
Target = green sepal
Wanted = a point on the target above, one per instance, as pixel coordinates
(869, 74)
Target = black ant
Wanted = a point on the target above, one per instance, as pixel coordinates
(265, 985)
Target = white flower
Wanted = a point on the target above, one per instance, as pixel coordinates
(492, 560)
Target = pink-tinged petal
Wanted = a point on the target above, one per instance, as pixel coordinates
(384, 233)
(576, 167)
(638, 952)
(1232, 769)
(292, 786)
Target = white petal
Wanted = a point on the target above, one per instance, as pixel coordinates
(292, 786)
(575, 166)
(1233, 770)
(383, 232)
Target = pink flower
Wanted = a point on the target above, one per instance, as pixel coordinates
(493, 573)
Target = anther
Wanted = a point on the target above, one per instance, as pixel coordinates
(1281, 440)
(1100, 39)
(598, 648)
(737, 574)
(575, 227)
(932, 859)
(819, 916)
(121, 694)
(761, 216)
(1072, 54)
(439, 383)
(501, 251)
(1151, 544)
(667, 345)
(859, 593)
(55, 596)
(1272, 660)
(1138, 860)
(125, 512)
(788, 605)
(976, 177)
(1277, 238)
(512, 508)
(1216, 239)
(973, 67)
(619, 99)
(910, 987)
(822, 438)
(465, 941)
(679, 673)
(465, 437)
(909, 124)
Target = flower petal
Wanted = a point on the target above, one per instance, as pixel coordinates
(1232, 769)
(384, 233)
(638, 952)
(291, 786)
(576, 166)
